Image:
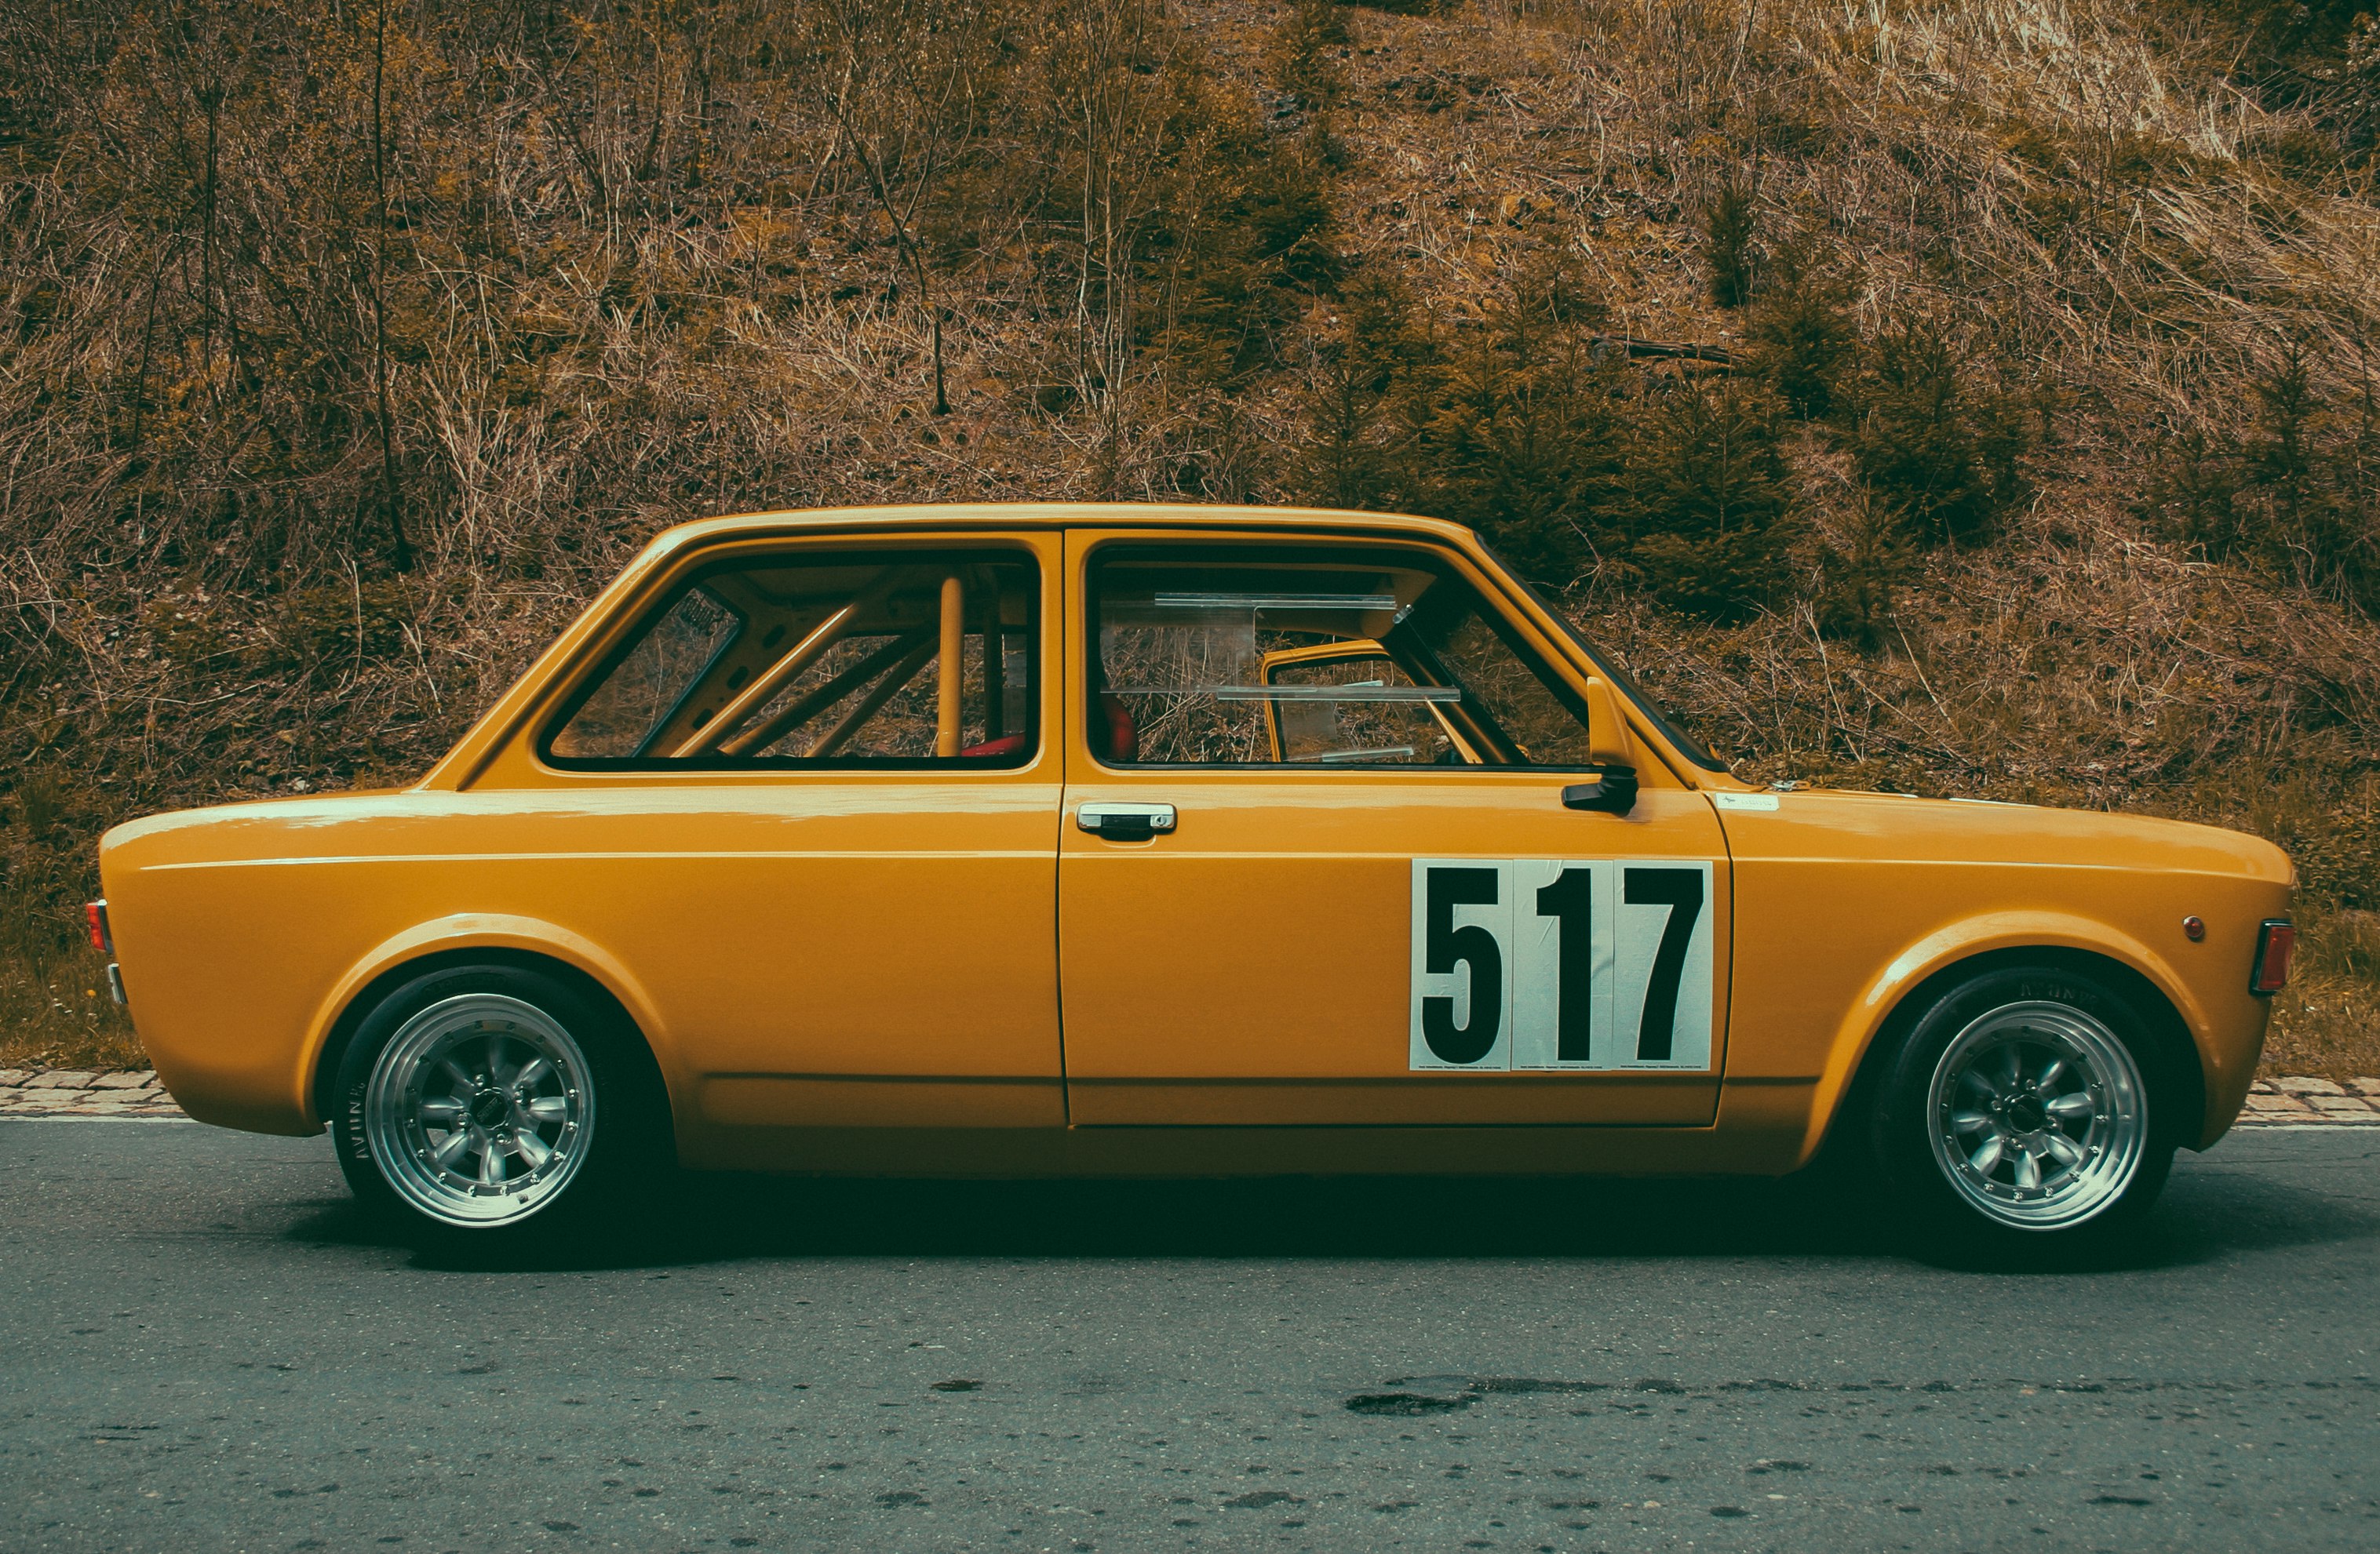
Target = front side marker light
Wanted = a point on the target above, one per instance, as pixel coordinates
(2277, 941)
(95, 913)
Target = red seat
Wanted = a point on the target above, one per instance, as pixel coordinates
(1124, 737)
(1009, 745)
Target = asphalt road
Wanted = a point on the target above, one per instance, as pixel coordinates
(205, 1349)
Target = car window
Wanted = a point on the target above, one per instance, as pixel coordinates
(1312, 655)
(1324, 712)
(820, 659)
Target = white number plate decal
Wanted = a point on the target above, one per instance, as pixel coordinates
(1540, 963)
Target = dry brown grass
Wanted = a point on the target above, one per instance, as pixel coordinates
(55, 1012)
(634, 268)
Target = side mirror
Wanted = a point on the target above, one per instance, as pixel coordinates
(1609, 747)
(1606, 732)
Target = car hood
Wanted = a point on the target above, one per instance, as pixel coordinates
(1901, 825)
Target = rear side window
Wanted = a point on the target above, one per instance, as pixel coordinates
(821, 659)
(1315, 656)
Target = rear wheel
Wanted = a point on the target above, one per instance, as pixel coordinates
(494, 1101)
(2027, 1108)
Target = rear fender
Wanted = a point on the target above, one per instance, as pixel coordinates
(464, 932)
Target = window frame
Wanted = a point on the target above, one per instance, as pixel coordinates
(648, 611)
(1449, 567)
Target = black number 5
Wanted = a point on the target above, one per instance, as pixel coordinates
(1444, 947)
(1681, 890)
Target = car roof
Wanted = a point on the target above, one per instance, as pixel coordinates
(1053, 515)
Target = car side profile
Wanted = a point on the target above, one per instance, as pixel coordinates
(1145, 839)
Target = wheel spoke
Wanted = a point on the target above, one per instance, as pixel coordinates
(1974, 1077)
(1983, 1160)
(2070, 1108)
(492, 1159)
(460, 1080)
(446, 1151)
(441, 1112)
(536, 1068)
(2064, 1151)
(2049, 1076)
(531, 1149)
(548, 1108)
(1969, 1122)
(2028, 1169)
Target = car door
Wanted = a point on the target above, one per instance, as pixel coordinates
(1388, 916)
(806, 807)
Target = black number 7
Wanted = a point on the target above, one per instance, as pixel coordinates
(1682, 891)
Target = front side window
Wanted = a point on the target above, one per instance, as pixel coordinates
(840, 659)
(1304, 655)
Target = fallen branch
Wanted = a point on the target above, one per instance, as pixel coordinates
(1669, 350)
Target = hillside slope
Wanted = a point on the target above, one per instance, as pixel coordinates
(2024, 444)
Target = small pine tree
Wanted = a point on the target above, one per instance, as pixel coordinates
(1356, 396)
(1517, 431)
(1711, 504)
(1233, 278)
(1298, 52)
(1941, 456)
(1801, 341)
(2297, 492)
(1728, 227)
(1857, 572)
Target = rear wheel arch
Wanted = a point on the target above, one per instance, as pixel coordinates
(2176, 1071)
(369, 996)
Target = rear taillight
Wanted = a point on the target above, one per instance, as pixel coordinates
(95, 913)
(2276, 940)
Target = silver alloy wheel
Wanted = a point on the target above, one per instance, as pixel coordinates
(2038, 1114)
(479, 1110)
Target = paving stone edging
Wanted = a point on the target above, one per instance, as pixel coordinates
(2304, 1103)
(83, 1092)
(134, 1093)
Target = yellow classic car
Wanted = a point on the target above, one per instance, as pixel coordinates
(1168, 840)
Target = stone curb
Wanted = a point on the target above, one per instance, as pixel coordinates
(134, 1093)
(83, 1092)
(2304, 1103)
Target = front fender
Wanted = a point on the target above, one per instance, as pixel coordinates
(1965, 940)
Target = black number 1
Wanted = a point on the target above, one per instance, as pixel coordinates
(1682, 891)
(1446, 946)
(1570, 901)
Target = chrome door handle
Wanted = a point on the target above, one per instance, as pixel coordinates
(1125, 822)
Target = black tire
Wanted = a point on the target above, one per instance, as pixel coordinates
(606, 1144)
(2100, 1132)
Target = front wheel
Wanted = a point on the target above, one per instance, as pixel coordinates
(2028, 1108)
(488, 1101)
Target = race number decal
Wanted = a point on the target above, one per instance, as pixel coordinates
(1535, 963)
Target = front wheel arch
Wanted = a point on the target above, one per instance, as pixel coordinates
(2178, 1079)
(369, 996)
